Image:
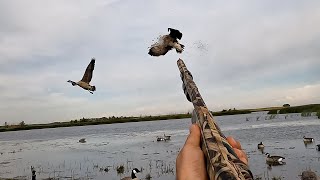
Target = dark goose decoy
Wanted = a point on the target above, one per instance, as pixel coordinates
(85, 81)
(133, 175)
(166, 43)
(318, 147)
(83, 140)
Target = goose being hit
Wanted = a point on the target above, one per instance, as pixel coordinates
(85, 81)
(166, 43)
(133, 175)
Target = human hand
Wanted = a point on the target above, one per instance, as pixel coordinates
(237, 149)
(190, 163)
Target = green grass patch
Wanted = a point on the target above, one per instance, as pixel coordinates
(305, 110)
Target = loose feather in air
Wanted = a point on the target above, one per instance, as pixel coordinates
(85, 81)
(166, 43)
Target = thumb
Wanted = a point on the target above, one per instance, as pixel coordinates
(194, 136)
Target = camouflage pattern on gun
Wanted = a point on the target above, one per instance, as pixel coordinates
(222, 162)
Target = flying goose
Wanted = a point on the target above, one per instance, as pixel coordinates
(274, 159)
(166, 43)
(133, 175)
(85, 81)
(260, 145)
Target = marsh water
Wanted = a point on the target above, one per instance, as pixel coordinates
(57, 153)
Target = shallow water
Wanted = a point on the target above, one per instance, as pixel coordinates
(57, 152)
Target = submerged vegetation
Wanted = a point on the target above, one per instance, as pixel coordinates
(306, 110)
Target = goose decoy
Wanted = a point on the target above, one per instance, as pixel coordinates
(85, 81)
(83, 140)
(160, 139)
(166, 137)
(307, 139)
(318, 147)
(133, 175)
(166, 43)
(260, 145)
(274, 159)
(33, 171)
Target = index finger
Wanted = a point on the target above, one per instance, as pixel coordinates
(233, 142)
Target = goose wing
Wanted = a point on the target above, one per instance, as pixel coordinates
(88, 73)
(160, 48)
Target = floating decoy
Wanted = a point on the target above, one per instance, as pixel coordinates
(166, 43)
(318, 147)
(260, 145)
(33, 171)
(160, 139)
(307, 139)
(166, 137)
(83, 140)
(274, 159)
(85, 81)
(133, 175)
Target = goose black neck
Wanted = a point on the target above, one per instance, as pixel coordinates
(133, 175)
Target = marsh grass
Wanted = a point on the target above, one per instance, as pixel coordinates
(110, 120)
(306, 114)
(120, 169)
(93, 121)
(148, 177)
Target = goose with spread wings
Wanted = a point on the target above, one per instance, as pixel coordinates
(166, 43)
(85, 81)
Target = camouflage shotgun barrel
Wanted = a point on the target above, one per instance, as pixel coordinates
(222, 162)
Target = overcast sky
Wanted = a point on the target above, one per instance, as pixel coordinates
(242, 54)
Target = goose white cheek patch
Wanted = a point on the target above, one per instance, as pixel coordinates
(134, 171)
